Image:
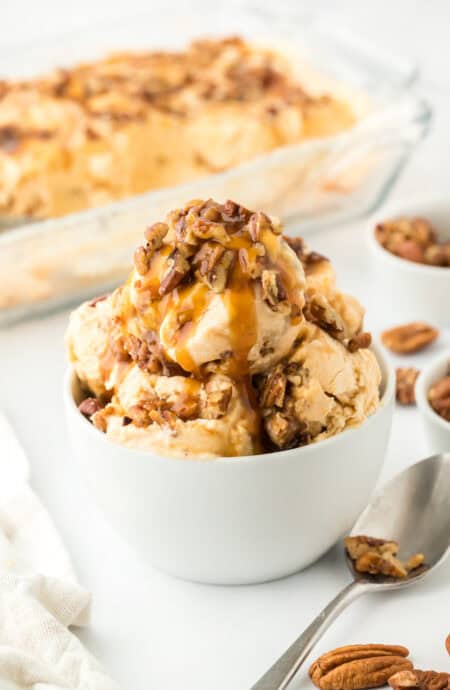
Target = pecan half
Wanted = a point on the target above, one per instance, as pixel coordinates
(89, 406)
(355, 667)
(410, 337)
(141, 260)
(405, 385)
(415, 679)
(439, 397)
(447, 644)
(361, 341)
(155, 235)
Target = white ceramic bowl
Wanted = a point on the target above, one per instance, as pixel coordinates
(234, 520)
(410, 291)
(437, 429)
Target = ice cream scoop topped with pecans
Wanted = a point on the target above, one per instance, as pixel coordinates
(227, 339)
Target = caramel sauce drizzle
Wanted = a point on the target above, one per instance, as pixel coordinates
(143, 310)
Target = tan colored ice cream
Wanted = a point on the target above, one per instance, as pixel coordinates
(227, 339)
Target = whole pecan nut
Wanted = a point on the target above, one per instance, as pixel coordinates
(355, 667)
(410, 337)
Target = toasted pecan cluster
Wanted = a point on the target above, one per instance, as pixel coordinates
(379, 557)
(280, 423)
(413, 239)
(207, 242)
(211, 400)
(319, 311)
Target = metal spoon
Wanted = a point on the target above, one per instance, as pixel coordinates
(414, 510)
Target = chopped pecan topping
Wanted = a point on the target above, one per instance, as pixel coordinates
(318, 310)
(379, 557)
(218, 398)
(405, 385)
(207, 230)
(285, 431)
(274, 388)
(439, 396)
(356, 667)
(258, 224)
(214, 264)
(411, 337)
(272, 289)
(155, 235)
(141, 260)
(361, 341)
(308, 258)
(99, 418)
(252, 260)
(149, 355)
(89, 406)
(419, 680)
(178, 268)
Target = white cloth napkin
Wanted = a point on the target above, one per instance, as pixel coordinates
(39, 595)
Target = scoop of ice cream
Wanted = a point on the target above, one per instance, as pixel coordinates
(213, 284)
(180, 416)
(321, 389)
(227, 339)
(88, 344)
(322, 293)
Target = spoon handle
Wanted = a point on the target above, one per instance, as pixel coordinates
(279, 676)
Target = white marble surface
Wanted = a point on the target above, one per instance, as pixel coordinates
(165, 634)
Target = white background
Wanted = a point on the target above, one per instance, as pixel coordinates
(157, 633)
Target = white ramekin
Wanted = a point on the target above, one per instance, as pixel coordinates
(437, 429)
(407, 290)
(234, 520)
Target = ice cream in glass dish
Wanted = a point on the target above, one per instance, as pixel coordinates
(227, 339)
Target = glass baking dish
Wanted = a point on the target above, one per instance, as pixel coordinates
(50, 263)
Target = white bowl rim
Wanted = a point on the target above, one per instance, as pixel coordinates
(422, 386)
(402, 209)
(388, 395)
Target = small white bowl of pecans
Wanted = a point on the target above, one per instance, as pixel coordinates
(410, 247)
(433, 400)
